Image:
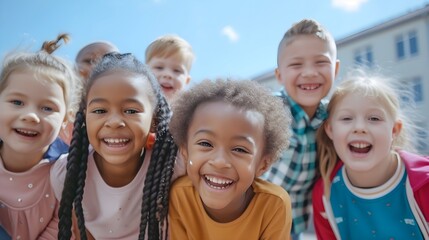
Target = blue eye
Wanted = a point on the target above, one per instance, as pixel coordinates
(17, 102)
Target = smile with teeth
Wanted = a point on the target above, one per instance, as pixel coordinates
(26, 133)
(309, 86)
(116, 141)
(218, 183)
(360, 147)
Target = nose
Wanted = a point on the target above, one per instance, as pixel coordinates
(115, 121)
(220, 160)
(166, 74)
(309, 71)
(359, 126)
(30, 116)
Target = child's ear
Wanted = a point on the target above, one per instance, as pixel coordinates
(188, 79)
(183, 153)
(328, 129)
(397, 127)
(263, 166)
(181, 162)
(337, 67)
(153, 125)
(278, 76)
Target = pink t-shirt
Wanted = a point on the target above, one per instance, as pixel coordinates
(110, 213)
(27, 203)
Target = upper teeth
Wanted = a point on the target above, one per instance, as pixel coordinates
(218, 180)
(116, 140)
(360, 145)
(26, 131)
(309, 87)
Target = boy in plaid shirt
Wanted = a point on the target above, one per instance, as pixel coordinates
(307, 65)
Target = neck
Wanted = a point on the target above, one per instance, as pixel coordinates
(230, 213)
(310, 111)
(376, 176)
(118, 175)
(19, 162)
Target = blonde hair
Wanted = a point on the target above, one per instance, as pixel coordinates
(387, 92)
(55, 69)
(169, 45)
(307, 27)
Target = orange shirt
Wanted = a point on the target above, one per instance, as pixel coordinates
(268, 216)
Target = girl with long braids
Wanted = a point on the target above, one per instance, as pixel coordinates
(115, 181)
(35, 97)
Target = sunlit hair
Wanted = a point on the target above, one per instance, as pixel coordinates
(386, 91)
(170, 45)
(158, 177)
(243, 94)
(45, 66)
(307, 27)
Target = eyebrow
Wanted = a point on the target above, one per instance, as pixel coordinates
(51, 100)
(103, 100)
(247, 139)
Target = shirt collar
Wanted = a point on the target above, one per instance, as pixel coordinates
(299, 114)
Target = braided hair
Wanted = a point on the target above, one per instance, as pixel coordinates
(157, 184)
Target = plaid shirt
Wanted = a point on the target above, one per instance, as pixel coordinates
(296, 170)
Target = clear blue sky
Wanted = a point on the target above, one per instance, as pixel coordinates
(230, 38)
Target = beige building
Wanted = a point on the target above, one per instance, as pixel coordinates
(399, 48)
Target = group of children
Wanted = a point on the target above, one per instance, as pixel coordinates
(223, 159)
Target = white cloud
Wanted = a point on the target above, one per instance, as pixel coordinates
(348, 5)
(230, 33)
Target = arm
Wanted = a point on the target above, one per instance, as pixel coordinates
(51, 231)
(280, 224)
(177, 229)
(321, 224)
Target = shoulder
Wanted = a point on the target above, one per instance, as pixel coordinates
(270, 190)
(58, 175)
(417, 168)
(181, 185)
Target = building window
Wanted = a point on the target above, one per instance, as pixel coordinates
(364, 57)
(412, 90)
(417, 88)
(400, 47)
(358, 58)
(412, 40)
(369, 58)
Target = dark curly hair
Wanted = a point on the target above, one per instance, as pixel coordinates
(243, 94)
(157, 183)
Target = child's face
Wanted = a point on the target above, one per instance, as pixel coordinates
(362, 132)
(224, 154)
(172, 74)
(307, 69)
(32, 112)
(118, 117)
(90, 56)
